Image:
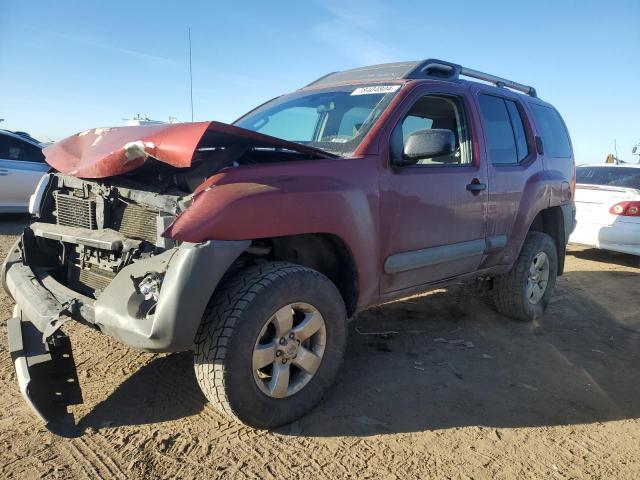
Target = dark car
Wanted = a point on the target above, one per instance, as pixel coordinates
(253, 243)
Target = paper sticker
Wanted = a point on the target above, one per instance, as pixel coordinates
(375, 89)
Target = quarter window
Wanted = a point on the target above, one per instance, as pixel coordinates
(554, 134)
(506, 138)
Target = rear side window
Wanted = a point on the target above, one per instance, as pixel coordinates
(506, 136)
(518, 130)
(628, 177)
(554, 134)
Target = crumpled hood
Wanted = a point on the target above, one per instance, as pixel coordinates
(105, 152)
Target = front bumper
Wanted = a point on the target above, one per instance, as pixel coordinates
(42, 353)
(46, 373)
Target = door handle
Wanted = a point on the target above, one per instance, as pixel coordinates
(476, 186)
(3, 172)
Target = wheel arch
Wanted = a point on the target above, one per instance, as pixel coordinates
(552, 222)
(325, 252)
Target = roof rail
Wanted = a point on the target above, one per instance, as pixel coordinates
(440, 69)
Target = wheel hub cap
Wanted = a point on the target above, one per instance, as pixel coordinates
(538, 278)
(289, 350)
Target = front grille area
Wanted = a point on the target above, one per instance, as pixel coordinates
(134, 221)
(89, 270)
(73, 211)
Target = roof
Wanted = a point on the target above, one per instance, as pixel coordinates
(382, 72)
(431, 68)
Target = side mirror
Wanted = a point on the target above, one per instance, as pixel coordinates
(427, 144)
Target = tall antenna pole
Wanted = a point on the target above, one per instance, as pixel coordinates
(190, 75)
(615, 148)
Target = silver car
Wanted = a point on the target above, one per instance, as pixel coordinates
(21, 167)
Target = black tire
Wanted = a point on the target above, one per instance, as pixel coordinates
(510, 289)
(234, 319)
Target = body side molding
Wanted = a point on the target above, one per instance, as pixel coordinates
(404, 261)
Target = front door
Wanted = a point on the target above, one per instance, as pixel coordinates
(433, 213)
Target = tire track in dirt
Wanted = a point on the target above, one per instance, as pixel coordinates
(97, 443)
(178, 435)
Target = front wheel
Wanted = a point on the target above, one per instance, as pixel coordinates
(524, 292)
(271, 343)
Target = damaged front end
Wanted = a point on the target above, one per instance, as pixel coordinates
(96, 252)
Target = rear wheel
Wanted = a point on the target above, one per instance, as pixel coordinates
(271, 343)
(524, 292)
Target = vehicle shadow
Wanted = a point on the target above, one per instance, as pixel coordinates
(164, 389)
(446, 360)
(579, 364)
(13, 223)
(604, 256)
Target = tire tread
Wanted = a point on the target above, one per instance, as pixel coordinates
(508, 296)
(234, 294)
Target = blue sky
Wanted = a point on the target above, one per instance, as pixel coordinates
(68, 66)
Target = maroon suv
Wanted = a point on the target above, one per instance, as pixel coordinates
(253, 243)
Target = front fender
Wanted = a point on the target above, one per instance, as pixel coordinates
(339, 197)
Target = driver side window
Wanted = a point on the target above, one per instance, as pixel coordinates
(436, 112)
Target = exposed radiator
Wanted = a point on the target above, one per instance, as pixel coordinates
(89, 280)
(73, 211)
(134, 221)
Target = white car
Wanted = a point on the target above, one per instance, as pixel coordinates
(22, 166)
(608, 207)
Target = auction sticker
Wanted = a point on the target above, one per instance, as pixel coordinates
(375, 89)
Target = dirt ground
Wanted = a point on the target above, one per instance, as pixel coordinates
(453, 390)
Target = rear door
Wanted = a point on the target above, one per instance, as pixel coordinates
(517, 187)
(21, 167)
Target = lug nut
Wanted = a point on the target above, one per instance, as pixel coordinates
(284, 360)
(283, 341)
(278, 353)
(291, 335)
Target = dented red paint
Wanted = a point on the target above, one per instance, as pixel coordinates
(102, 152)
(375, 209)
(105, 152)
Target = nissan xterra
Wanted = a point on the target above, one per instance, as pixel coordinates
(253, 243)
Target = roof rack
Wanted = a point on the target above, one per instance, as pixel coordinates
(433, 68)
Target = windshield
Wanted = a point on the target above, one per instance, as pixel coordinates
(334, 120)
(610, 176)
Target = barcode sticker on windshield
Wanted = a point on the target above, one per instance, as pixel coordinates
(375, 89)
